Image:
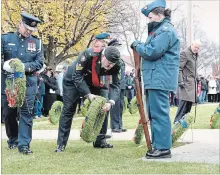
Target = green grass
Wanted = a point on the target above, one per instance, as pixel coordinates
(82, 158)
(204, 113)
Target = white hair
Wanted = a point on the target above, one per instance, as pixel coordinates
(197, 42)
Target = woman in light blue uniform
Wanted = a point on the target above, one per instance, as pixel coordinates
(160, 64)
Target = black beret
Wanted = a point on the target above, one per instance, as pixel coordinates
(114, 42)
(112, 54)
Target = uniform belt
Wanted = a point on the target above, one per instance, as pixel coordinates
(30, 73)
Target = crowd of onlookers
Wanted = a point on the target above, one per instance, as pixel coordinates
(50, 89)
(208, 90)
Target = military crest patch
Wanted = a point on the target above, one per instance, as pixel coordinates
(79, 66)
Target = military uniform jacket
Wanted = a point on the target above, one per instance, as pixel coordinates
(160, 57)
(187, 74)
(29, 51)
(79, 74)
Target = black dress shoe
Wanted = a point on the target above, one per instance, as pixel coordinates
(25, 151)
(158, 154)
(108, 136)
(103, 145)
(116, 130)
(123, 130)
(60, 148)
(12, 146)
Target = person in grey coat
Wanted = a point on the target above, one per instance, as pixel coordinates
(187, 90)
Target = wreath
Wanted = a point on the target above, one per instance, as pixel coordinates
(85, 107)
(125, 104)
(215, 119)
(93, 120)
(133, 108)
(16, 84)
(139, 132)
(179, 128)
(55, 112)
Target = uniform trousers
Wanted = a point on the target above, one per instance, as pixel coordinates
(116, 111)
(19, 134)
(158, 107)
(70, 100)
(183, 108)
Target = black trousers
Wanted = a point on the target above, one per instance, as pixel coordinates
(70, 100)
(184, 108)
(116, 112)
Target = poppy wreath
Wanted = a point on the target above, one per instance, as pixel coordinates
(85, 107)
(93, 120)
(215, 119)
(55, 112)
(16, 84)
(125, 104)
(139, 132)
(179, 128)
(133, 108)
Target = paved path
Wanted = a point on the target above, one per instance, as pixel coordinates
(203, 149)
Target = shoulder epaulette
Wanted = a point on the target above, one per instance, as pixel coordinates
(7, 33)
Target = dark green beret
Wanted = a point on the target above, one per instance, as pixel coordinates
(112, 54)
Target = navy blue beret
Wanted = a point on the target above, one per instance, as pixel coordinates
(148, 8)
(102, 36)
(29, 21)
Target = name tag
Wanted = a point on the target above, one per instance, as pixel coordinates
(11, 44)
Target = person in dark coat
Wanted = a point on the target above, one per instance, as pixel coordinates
(117, 110)
(160, 62)
(51, 87)
(95, 72)
(187, 91)
(203, 90)
(29, 49)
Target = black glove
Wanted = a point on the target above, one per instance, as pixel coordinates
(133, 45)
(213, 87)
(182, 84)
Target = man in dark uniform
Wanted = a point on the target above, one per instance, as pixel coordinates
(117, 110)
(95, 72)
(28, 49)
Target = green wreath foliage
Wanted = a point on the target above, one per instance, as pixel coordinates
(85, 107)
(215, 119)
(16, 88)
(139, 133)
(178, 130)
(133, 108)
(55, 112)
(125, 104)
(94, 120)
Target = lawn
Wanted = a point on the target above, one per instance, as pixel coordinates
(129, 120)
(82, 158)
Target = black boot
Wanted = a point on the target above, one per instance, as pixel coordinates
(158, 154)
(101, 142)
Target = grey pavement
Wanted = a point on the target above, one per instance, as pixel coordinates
(203, 144)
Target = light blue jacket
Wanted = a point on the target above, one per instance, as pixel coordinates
(160, 57)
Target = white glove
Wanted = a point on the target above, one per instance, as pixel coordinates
(42, 69)
(91, 97)
(106, 107)
(7, 67)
